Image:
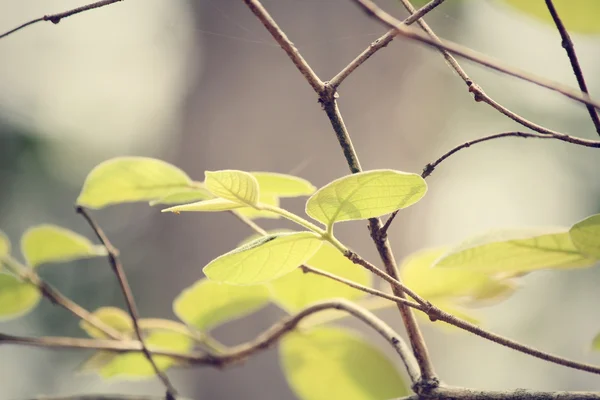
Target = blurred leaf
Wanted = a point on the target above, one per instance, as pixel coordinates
(183, 196)
(50, 243)
(264, 259)
(297, 290)
(111, 316)
(365, 195)
(4, 245)
(136, 366)
(16, 297)
(596, 343)
(129, 179)
(264, 198)
(511, 252)
(328, 363)
(579, 16)
(586, 236)
(283, 185)
(207, 304)
(206, 205)
(97, 361)
(237, 186)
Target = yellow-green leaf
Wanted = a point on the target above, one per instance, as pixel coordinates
(263, 259)
(283, 185)
(330, 363)
(183, 196)
(596, 343)
(365, 195)
(586, 236)
(96, 362)
(206, 205)
(4, 245)
(207, 304)
(237, 186)
(510, 252)
(129, 179)
(136, 366)
(114, 317)
(50, 243)
(578, 15)
(297, 289)
(16, 297)
(264, 198)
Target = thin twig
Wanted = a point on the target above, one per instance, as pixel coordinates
(569, 47)
(380, 43)
(455, 393)
(117, 268)
(56, 18)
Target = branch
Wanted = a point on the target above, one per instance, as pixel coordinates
(56, 18)
(117, 268)
(452, 393)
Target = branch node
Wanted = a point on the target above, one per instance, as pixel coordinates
(427, 170)
(478, 94)
(424, 387)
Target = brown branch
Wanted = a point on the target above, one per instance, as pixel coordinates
(56, 18)
(569, 47)
(454, 393)
(117, 268)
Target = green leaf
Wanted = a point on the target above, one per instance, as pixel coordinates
(206, 205)
(264, 259)
(329, 363)
(237, 186)
(50, 244)
(596, 343)
(4, 245)
(16, 297)
(264, 198)
(183, 196)
(136, 366)
(586, 236)
(96, 362)
(130, 179)
(283, 185)
(578, 16)
(365, 195)
(296, 290)
(207, 304)
(511, 252)
(114, 317)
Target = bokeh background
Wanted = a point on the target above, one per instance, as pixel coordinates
(201, 84)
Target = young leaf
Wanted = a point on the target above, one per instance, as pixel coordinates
(283, 185)
(297, 289)
(596, 343)
(96, 362)
(114, 317)
(264, 259)
(50, 243)
(129, 179)
(237, 186)
(264, 198)
(206, 205)
(512, 252)
(207, 304)
(365, 195)
(4, 245)
(183, 196)
(16, 297)
(328, 363)
(586, 236)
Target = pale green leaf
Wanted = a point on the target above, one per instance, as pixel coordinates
(586, 236)
(96, 362)
(296, 290)
(510, 252)
(578, 15)
(136, 366)
(16, 297)
(237, 186)
(264, 198)
(596, 343)
(50, 244)
(4, 245)
(283, 185)
(264, 259)
(114, 317)
(365, 195)
(206, 206)
(329, 363)
(183, 196)
(129, 179)
(207, 304)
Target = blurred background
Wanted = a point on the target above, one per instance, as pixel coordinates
(202, 85)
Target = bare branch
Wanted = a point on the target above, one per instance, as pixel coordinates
(56, 18)
(454, 393)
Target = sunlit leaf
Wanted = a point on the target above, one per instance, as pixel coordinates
(264, 259)
(206, 205)
(183, 196)
(50, 243)
(114, 317)
(264, 198)
(136, 366)
(297, 289)
(596, 343)
(96, 362)
(329, 363)
(365, 195)
(207, 304)
(16, 297)
(578, 15)
(586, 236)
(4, 245)
(129, 179)
(510, 252)
(283, 185)
(237, 186)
